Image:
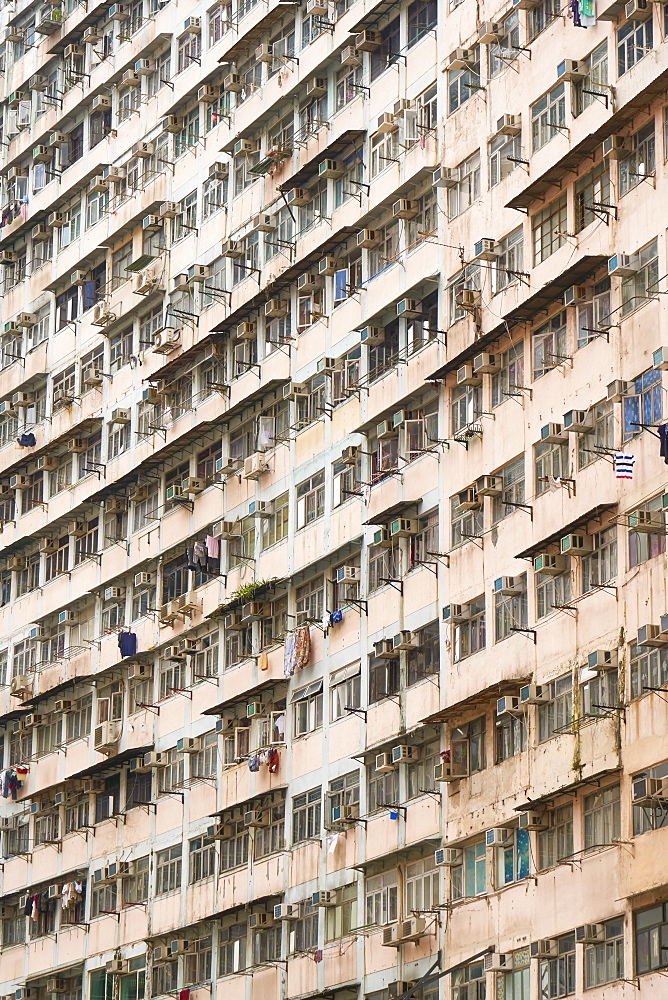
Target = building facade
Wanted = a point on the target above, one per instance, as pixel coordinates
(333, 634)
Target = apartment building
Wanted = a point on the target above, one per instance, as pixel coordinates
(333, 624)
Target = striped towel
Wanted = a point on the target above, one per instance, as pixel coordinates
(624, 466)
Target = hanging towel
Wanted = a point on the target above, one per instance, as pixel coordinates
(212, 547)
(263, 662)
(336, 617)
(663, 437)
(624, 466)
(27, 440)
(254, 762)
(127, 643)
(290, 654)
(575, 13)
(272, 760)
(303, 646)
(190, 558)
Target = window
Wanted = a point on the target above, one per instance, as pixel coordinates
(384, 678)
(649, 669)
(509, 261)
(234, 849)
(219, 21)
(469, 636)
(103, 900)
(422, 886)
(383, 565)
(465, 406)
(189, 51)
(382, 789)
(599, 693)
(306, 815)
(424, 660)
(640, 162)
(307, 709)
(513, 490)
(549, 230)
(595, 79)
(465, 524)
(467, 189)
(643, 404)
(634, 40)
(467, 747)
(550, 460)
(420, 772)
(651, 932)
(342, 917)
(600, 567)
(139, 790)
(643, 285)
(384, 151)
(232, 949)
(604, 961)
(168, 870)
(267, 945)
(344, 791)
(510, 376)
(203, 764)
(594, 312)
(468, 277)
(469, 879)
(556, 843)
(592, 196)
(310, 600)
(602, 822)
(382, 899)
(511, 736)
(556, 714)
(270, 838)
(510, 610)
(469, 983)
(463, 82)
(540, 17)
(557, 975)
(548, 116)
(549, 345)
(345, 687)
(552, 592)
(422, 17)
(186, 221)
(504, 151)
(512, 859)
(389, 50)
(201, 861)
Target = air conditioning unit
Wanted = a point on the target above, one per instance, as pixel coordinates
(131, 78)
(120, 416)
(534, 694)
(145, 66)
(384, 763)
(532, 820)
(467, 298)
(552, 434)
(208, 95)
(116, 967)
(16, 564)
(615, 146)
(637, 10)
(56, 985)
(468, 499)
(275, 308)
(262, 223)
(193, 25)
(100, 102)
(143, 150)
(448, 857)
(508, 706)
(264, 54)
(77, 529)
(494, 962)
(403, 527)
(412, 929)
(409, 308)
(113, 593)
(508, 586)
(372, 336)
(489, 486)
(461, 59)
(617, 390)
(48, 545)
(577, 545)
(255, 466)
(350, 56)
(345, 813)
(498, 836)
(257, 920)
(255, 818)
(166, 341)
(118, 12)
(317, 86)
(347, 574)
(286, 911)
(256, 710)
(139, 671)
(590, 934)
(603, 659)
(384, 650)
(484, 249)
(623, 265)
(649, 521)
(244, 147)
(349, 455)
(93, 376)
(172, 123)
(445, 177)
(466, 375)
(456, 614)
(387, 123)
(578, 421)
(550, 565)
(106, 736)
(402, 753)
(382, 537)
(569, 70)
(324, 897)
(41, 154)
(102, 315)
(187, 745)
(651, 635)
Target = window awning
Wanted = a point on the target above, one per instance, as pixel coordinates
(592, 514)
(307, 692)
(345, 673)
